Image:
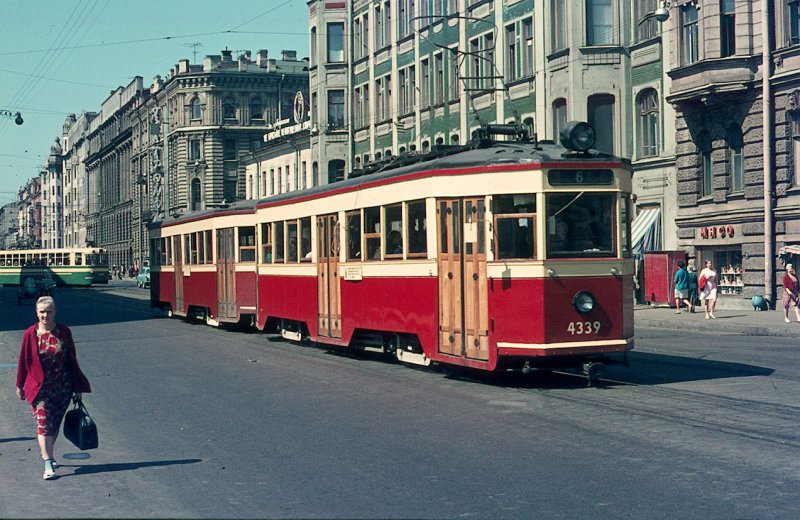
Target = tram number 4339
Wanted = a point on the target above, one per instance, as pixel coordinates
(583, 327)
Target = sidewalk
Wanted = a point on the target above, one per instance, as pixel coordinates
(750, 323)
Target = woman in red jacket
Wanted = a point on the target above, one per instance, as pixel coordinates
(48, 375)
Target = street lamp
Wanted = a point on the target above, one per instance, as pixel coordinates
(661, 14)
(16, 115)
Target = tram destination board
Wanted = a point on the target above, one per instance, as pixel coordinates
(579, 177)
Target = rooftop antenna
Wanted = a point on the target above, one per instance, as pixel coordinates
(194, 47)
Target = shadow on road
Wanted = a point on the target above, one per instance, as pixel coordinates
(90, 469)
(76, 307)
(18, 439)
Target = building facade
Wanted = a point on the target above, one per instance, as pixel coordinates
(52, 209)
(212, 115)
(29, 201)
(76, 188)
(9, 225)
(735, 74)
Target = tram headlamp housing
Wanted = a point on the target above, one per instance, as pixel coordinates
(583, 301)
(577, 136)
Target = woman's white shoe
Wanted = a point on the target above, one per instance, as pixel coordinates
(49, 470)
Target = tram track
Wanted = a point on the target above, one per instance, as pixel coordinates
(774, 423)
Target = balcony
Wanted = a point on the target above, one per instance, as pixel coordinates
(705, 78)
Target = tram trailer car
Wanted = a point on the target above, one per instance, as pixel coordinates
(69, 267)
(498, 255)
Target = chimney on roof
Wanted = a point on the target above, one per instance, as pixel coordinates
(227, 55)
(261, 58)
(289, 55)
(211, 62)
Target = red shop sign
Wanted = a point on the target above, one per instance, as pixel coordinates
(717, 232)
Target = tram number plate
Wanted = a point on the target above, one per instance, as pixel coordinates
(583, 327)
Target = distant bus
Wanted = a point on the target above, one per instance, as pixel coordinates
(67, 267)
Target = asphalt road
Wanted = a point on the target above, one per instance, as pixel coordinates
(202, 422)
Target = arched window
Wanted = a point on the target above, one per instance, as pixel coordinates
(256, 109)
(196, 195)
(315, 173)
(335, 170)
(229, 108)
(601, 109)
(196, 108)
(647, 106)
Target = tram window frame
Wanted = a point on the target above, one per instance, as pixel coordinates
(246, 242)
(266, 242)
(187, 249)
(505, 209)
(372, 240)
(584, 212)
(209, 246)
(194, 251)
(279, 251)
(416, 238)
(392, 226)
(177, 252)
(354, 243)
(626, 209)
(292, 253)
(304, 239)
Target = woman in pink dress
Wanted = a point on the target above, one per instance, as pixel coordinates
(708, 292)
(48, 375)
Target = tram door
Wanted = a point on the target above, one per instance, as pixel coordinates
(329, 308)
(463, 314)
(178, 264)
(226, 274)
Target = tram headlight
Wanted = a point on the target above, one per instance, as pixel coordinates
(583, 301)
(577, 135)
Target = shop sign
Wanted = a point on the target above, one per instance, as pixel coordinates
(717, 232)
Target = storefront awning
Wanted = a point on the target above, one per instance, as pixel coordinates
(646, 231)
(793, 249)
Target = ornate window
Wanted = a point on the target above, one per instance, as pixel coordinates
(648, 123)
(599, 22)
(196, 108)
(256, 109)
(229, 108)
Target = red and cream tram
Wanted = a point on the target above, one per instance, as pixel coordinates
(497, 255)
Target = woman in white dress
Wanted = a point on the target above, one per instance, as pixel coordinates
(708, 293)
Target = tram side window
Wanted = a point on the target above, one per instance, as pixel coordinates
(187, 249)
(305, 239)
(417, 237)
(393, 231)
(372, 233)
(515, 226)
(266, 243)
(280, 243)
(581, 224)
(247, 244)
(354, 235)
(194, 251)
(625, 226)
(209, 247)
(291, 236)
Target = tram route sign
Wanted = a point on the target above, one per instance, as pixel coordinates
(572, 177)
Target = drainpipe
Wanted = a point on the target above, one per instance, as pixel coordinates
(766, 114)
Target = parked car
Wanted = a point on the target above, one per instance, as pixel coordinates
(143, 278)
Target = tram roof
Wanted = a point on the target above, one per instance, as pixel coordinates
(507, 153)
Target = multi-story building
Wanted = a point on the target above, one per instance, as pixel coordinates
(29, 200)
(76, 188)
(282, 164)
(396, 76)
(109, 179)
(735, 80)
(213, 114)
(9, 225)
(52, 213)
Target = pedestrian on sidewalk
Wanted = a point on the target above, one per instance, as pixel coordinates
(708, 289)
(48, 376)
(692, 287)
(681, 287)
(791, 292)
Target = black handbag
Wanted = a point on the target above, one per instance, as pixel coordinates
(79, 428)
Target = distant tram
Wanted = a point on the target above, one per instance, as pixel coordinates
(67, 267)
(494, 255)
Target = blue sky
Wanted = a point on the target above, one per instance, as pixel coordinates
(62, 56)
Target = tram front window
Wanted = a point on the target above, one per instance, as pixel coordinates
(581, 224)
